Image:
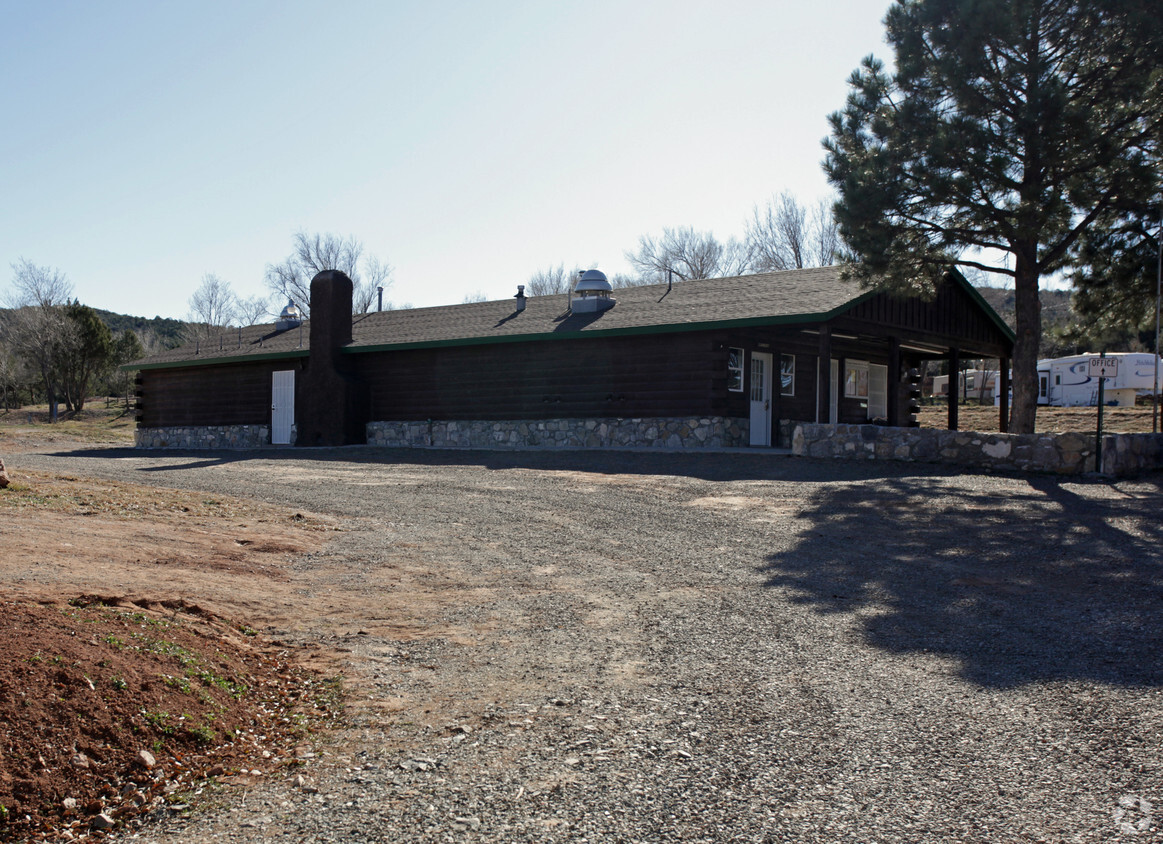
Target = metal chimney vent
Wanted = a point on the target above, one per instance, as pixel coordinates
(592, 293)
(289, 317)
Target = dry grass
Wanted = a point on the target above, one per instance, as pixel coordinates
(32, 490)
(1057, 420)
(96, 423)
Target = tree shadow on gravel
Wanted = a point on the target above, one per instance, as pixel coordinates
(1048, 584)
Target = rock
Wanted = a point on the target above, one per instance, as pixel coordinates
(146, 759)
(4, 479)
(69, 804)
(80, 761)
(102, 821)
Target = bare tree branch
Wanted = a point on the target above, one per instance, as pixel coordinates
(213, 306)
(784, 235)
(313, 254)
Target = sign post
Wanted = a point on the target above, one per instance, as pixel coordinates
(1101, 368)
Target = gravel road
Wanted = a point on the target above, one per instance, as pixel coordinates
(727, 647)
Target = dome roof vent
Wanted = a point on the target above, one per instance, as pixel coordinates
(592, 293)
(289, 317)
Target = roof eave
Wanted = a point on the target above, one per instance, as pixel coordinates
(188, 362)
(667, 328)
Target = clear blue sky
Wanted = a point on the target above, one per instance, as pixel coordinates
(146, 144)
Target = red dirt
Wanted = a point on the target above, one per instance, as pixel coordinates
(103, 659)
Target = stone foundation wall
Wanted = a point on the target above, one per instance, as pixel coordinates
(1131, 454)
(1066, 454)
(682, 432)
(214, 436)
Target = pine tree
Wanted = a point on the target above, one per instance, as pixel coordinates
(1009, 126)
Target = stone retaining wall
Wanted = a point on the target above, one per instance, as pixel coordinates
(1066, 454)
(682, 432)
(214, 436)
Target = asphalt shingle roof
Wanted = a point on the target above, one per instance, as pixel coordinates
(789, 296)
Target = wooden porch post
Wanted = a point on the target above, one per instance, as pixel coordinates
(1004, 403)
(954, 385)
(824, 394)
(894, 381)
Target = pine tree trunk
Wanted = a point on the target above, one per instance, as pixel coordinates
(1028, 317)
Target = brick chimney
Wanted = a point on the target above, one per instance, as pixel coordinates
(333, 402)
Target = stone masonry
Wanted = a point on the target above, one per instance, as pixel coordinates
(681, 432)
(217, 436)
(1066, 454)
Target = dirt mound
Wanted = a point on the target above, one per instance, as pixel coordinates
(111, 708)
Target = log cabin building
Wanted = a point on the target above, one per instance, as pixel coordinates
(709, 363)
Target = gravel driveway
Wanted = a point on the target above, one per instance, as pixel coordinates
(728, 647)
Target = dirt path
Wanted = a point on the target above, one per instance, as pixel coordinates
(553, 647)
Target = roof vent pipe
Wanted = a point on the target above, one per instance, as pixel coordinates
(380, 298)
(520, 297)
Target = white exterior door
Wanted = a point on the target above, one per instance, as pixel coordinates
(760, 398)
(282, 406)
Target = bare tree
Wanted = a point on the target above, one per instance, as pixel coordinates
(251, 311)
(785, 235)
(825, 235)
(40, 287)
(36, 327)
(688, 254)
(549, 281)
(312, 254)
(213, 306)
(9, 372)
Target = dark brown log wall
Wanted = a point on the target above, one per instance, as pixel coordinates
(951, 316)
(654, 375)
(231, 394)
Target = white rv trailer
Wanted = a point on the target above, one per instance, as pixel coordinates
(1066, 382)
(978, 384)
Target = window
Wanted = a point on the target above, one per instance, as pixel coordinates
(787, 375)
(856, 379)
(1042, 379)
(735, 370)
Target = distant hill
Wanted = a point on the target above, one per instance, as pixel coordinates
(1055, 305)
(169, 332)
(1057, 315)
